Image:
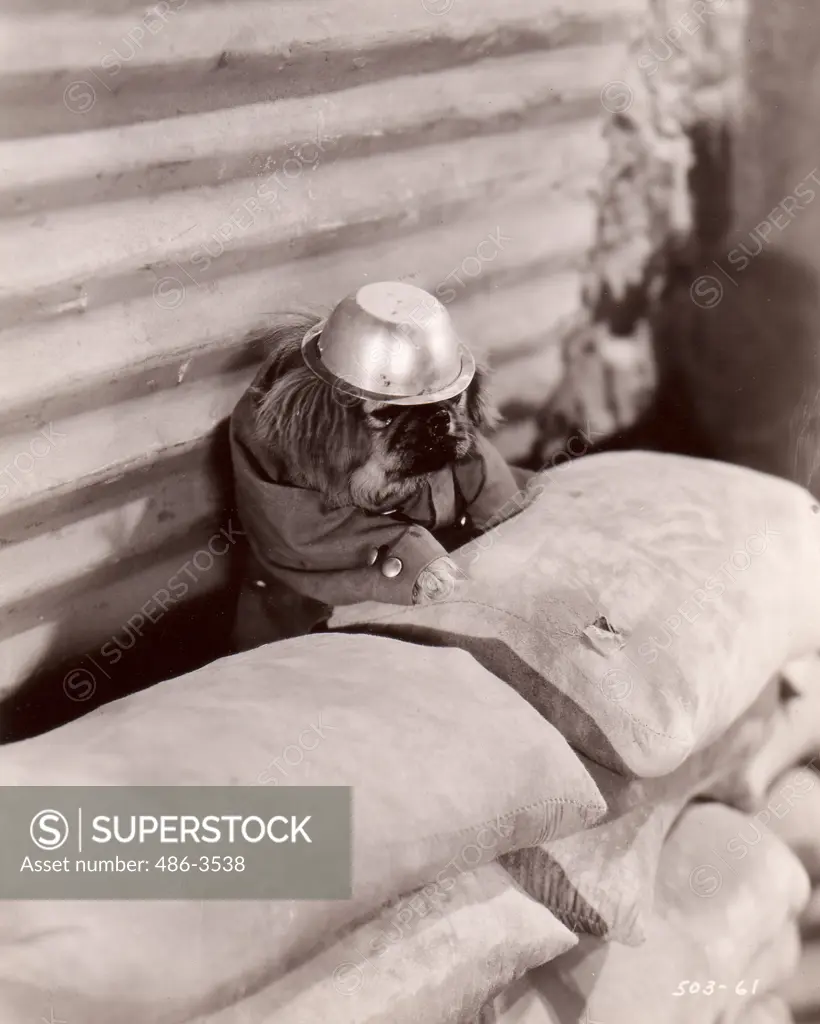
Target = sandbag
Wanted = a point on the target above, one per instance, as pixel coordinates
(640, 601)
(794, 738)
(792, 812)
(711, 924)
(450, 768)
(420, 960)
(601, 881)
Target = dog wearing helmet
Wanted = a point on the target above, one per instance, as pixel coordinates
(360, 461)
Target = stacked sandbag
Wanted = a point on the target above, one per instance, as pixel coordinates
(724, 885)
(784, 772)
(601, 881)
(719, 941)
(450, 769)
(524, 757)
(640, 601)
(645, 604)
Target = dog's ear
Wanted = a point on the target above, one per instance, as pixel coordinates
(481, 408)
(315, 433)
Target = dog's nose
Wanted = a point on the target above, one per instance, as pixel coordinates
(439, 424)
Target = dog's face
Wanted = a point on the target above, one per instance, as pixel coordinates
(370, 454)
(416, 440)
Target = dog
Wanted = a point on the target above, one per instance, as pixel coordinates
(347, 499)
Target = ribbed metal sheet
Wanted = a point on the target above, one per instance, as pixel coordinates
(166, 184)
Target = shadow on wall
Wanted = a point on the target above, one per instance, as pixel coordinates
(185, 638)
(749, 367)
(735, 339)
(742, 381)
(738, 338)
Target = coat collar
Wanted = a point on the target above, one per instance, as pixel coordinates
(439, 504)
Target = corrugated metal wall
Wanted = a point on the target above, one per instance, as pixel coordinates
(171, 175)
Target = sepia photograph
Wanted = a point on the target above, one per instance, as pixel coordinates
(410, 512)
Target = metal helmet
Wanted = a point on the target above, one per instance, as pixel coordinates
(390, 342)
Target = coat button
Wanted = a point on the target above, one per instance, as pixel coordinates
(392, 567)
(372, 556)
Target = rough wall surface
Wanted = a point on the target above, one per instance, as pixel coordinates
(752, 357)
(170, 178)
(664, 197)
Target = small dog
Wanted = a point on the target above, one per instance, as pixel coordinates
(331, 487)
(372, 455)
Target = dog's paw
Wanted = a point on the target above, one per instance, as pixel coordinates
(437, 581)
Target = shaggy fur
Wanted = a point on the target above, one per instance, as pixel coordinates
(355, 452)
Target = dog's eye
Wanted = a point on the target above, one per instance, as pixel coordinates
(382, 416)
